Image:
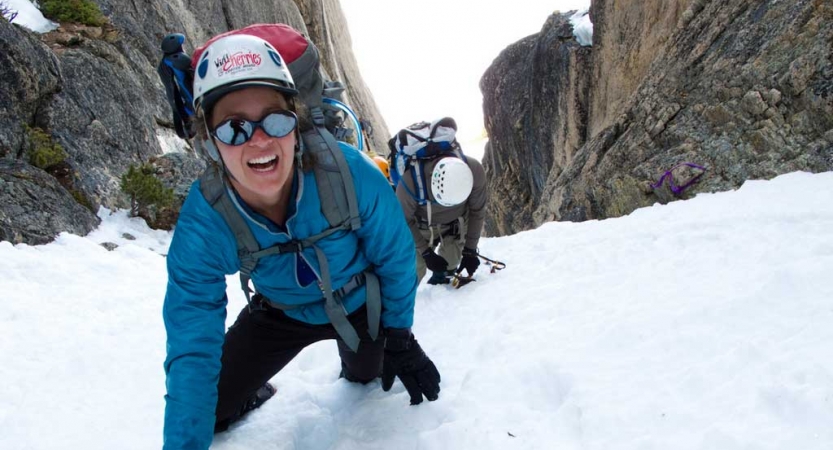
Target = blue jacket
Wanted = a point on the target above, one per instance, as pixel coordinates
(203, 251)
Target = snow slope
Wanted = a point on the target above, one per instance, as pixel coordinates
(703, 324)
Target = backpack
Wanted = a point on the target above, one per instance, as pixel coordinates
(418, 143)
(332, 175)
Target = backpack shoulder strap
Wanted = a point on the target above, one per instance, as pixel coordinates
(336, 189)
(213, 189)
(420, 184)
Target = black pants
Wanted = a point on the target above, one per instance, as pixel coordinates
(261, 343)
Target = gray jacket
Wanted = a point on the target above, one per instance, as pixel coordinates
(473, 209)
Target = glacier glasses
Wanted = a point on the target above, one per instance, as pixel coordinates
(239, 131)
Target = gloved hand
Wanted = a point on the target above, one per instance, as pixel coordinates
(470, 261)
(434, 262)
(405, 359)
(439, 278)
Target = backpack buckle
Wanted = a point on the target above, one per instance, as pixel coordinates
(291, 247)
(317, 116)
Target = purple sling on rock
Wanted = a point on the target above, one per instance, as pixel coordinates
(678, 190)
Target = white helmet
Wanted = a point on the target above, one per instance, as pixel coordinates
(235, 62)
(451, 181)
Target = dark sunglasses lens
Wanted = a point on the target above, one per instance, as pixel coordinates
(234, 131)
(279, 124)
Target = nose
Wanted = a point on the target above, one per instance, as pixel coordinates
(259, 138)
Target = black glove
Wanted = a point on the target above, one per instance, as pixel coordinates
(434, 262)
(439, 278)
(470, 261)
(405, 359)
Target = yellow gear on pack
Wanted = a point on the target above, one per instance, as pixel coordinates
(383, 164)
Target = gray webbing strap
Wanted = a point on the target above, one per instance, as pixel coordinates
(460, 227)
(317, 116)
(295, 246)
(214, 190)
(373, 304)
(336, 189)
(245, 238)
(347, 180)
(332, 304)
(331, 192)
(373, 299)
(333, 307)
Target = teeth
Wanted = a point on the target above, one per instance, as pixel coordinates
(262, 160)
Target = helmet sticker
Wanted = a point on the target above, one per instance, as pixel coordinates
(276, 58)
(238, 62)
(202, 70)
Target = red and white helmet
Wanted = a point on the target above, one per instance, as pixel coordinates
(451, 181)
(235, 62)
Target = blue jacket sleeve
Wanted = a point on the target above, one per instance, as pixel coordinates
(386, 241)
(194, 313)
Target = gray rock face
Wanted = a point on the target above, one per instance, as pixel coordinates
(177, 171)
(29, 76)
(744, 88)
(535, 99)
(103, 117)
(96, 92)
(627, 40)
(36, 208)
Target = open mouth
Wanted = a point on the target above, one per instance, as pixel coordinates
(264, 163)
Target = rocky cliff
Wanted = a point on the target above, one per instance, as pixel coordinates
(741, 87)
(95, 92)
(535, 110)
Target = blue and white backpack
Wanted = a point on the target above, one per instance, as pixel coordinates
(418, 143)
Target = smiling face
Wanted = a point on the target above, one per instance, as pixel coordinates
(261, 168)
